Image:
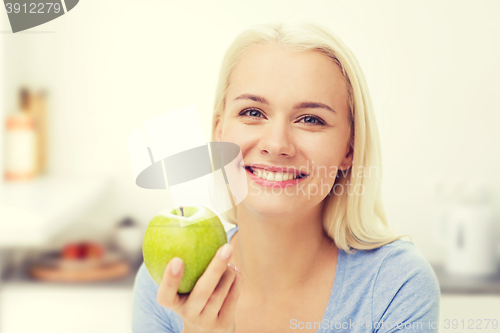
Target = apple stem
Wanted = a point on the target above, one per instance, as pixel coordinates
(182, 212)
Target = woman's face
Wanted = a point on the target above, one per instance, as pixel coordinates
(288, 109)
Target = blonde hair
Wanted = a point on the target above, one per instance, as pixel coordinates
(354, 222)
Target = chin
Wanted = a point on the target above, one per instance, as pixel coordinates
(270, 205)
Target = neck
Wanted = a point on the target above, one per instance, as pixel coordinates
(279, 255)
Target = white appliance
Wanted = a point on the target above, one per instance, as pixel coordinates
(467, 229)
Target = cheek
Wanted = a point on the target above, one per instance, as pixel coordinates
(322, 155)
(237, 134)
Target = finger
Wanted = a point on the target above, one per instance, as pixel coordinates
(207, 282)
(226, 313)
(167, 292)
(215, 301)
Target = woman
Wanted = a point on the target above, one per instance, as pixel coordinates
(314, 251)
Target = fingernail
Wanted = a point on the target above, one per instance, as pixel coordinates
(176, 266)
(226, 251)
(234, 267)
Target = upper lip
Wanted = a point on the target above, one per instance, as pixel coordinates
(275, 168)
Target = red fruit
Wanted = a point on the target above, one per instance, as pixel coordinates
(82, 250)
(72, 251)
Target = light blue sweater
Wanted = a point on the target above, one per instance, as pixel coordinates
(392, 288)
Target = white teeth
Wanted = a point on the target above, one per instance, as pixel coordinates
(273, 176)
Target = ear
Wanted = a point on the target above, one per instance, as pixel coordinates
(347, 162)
(218, 129)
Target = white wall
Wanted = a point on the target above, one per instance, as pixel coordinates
(431, 67)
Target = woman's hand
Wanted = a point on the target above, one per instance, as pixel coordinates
(211, 304)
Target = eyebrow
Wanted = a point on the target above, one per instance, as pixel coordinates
(301, 105)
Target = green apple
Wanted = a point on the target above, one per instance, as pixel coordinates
(193, 234)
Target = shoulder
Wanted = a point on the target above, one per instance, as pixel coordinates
(398, 258)
(405, 289)
(392, 284)
(397, 263)
(401, 261)
(405, 263)
(368, 264)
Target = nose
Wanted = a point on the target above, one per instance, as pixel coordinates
(277, 140)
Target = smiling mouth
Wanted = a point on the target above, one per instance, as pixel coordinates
(283, 175)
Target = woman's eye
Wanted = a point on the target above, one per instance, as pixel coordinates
(251, 113)
(312, 120)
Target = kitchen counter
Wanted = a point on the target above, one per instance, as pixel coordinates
(57, 307)
(453, 284)
(20, 279)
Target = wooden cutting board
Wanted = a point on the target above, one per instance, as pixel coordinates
(110, 267)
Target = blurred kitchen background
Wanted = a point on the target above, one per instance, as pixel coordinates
(73, 89)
